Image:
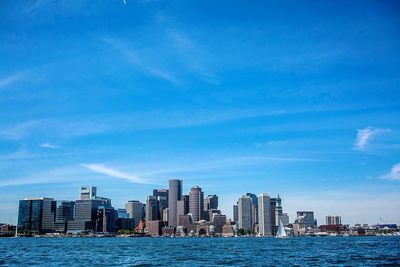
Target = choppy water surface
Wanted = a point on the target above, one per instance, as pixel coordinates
(307, 251)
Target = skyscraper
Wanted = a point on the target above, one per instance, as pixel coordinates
(235, 214)
(106, 218)
(87, 192)
(245, 213)
(64, 213)
(185, 198)
(36, 215)
(211, 202)
(162, 195)
(254, 202)
(152, 209)
(196, 198)
(180, 209)
(48, 215)
(264, 214)
(174, 194)
(134, 209)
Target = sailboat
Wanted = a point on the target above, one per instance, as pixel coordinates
(281, 231)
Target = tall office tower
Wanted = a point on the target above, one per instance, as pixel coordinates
(162, 195)
(36, 216)
(48, 215)
(264, 214)
(65, 210)
(180, 208)
(274, 208)
(305, 219)
(185, 198)
(196, 198)
(87, 192)
(235, 214)
(254, 207)
(211, 202)
(64, 213)
(333, 220)
(152, 209)
(106, 218)
(245, 213)
(86, 215)
(134, 209)
(174, 194)
(86, 210)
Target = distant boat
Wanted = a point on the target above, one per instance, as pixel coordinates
(281, 231)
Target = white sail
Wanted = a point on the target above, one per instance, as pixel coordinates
(281, 231)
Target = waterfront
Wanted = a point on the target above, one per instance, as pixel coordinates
(301, 251)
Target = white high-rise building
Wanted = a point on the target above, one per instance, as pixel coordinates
(87, 192)
(264, 214)
(333, 220)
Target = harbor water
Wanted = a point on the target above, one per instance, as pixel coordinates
(251, 251)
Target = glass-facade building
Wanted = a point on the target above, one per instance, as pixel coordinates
(36, 216)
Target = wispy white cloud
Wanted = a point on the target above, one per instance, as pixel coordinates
(158, 119)
(9, 80)
(145, 64)
(222, 165)
(66, 174)
(163, 75)
(195, 57)
(364, 137)
(103, 169)
(394, 173)
(19, 130)
(48, 145)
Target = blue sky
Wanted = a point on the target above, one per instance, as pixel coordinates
(299, 98)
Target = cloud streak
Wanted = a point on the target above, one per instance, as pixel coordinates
(146, 65)
(48, 145)
(9, 80)
(103, 169)
(394, 173)
(365, 136)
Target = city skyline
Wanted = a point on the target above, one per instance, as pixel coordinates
(300, 100)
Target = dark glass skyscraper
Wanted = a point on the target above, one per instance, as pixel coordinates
(36, 216)
(65, 211)
(86, 215)
(162, 196)
(152, 209)
(211, 202)
(64, 214)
